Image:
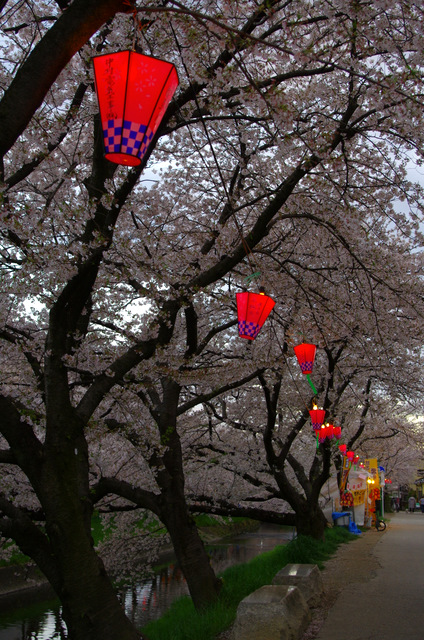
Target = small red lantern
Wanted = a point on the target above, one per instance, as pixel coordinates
(337, 432)
(305, 354)
(343, 449)
(252, 310)
(350, 455)
(322, 434)
(317, 418)
(133, 91)
(329, 431)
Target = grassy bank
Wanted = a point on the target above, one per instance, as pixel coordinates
(183, 622)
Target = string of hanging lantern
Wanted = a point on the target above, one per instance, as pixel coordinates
(305, 354)
(133, 92)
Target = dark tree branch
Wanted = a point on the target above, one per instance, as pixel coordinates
(30, 85)
(205, 397)
(139, 497)
(27, 449)
(231, 510)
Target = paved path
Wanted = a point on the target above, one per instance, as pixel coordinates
(390, 604)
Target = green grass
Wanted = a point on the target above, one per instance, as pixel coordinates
(16, 558)
(183, 622)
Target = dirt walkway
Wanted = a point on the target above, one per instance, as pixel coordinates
(352, 563)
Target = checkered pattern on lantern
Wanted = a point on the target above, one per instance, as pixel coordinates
(112, 132)
(248, 329)
(306, 366)
(135, 138)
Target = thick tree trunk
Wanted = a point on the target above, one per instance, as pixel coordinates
(63, 549)
(191, 554)
(91, 608)
(192, 557)
(310, 521)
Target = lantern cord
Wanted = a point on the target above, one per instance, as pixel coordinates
(242, 239)
(257, 274)
(308, 377)
(138, 25)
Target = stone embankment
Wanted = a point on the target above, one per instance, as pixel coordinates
(280, 611)
(22, 585)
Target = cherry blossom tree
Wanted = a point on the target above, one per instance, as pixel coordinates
(284, 151)
(273, 471)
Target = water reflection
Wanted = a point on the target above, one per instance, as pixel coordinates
(48, 625)
(150, 599)
(147, 600)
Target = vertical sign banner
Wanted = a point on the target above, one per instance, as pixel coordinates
(371, 465)
(345, 473)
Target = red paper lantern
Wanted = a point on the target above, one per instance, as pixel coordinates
(317, 418)
(343, 449)
(252, 310)
(337, 432)
(329, 431)
(322, 434)
(133, 91)
(305, 354)
(350, 455)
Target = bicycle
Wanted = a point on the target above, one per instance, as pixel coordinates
(380, 525)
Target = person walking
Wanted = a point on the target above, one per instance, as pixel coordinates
(422, 504)
(411, 503)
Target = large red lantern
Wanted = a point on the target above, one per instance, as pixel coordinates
(350, 455)
(305, 354)
(252, 310)
(133, 91)
(317, 418)
(337, 432)
(343, 449)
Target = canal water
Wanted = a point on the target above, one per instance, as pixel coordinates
(145, 600)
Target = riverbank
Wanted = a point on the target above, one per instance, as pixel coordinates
(158, 595)
(21, 585)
